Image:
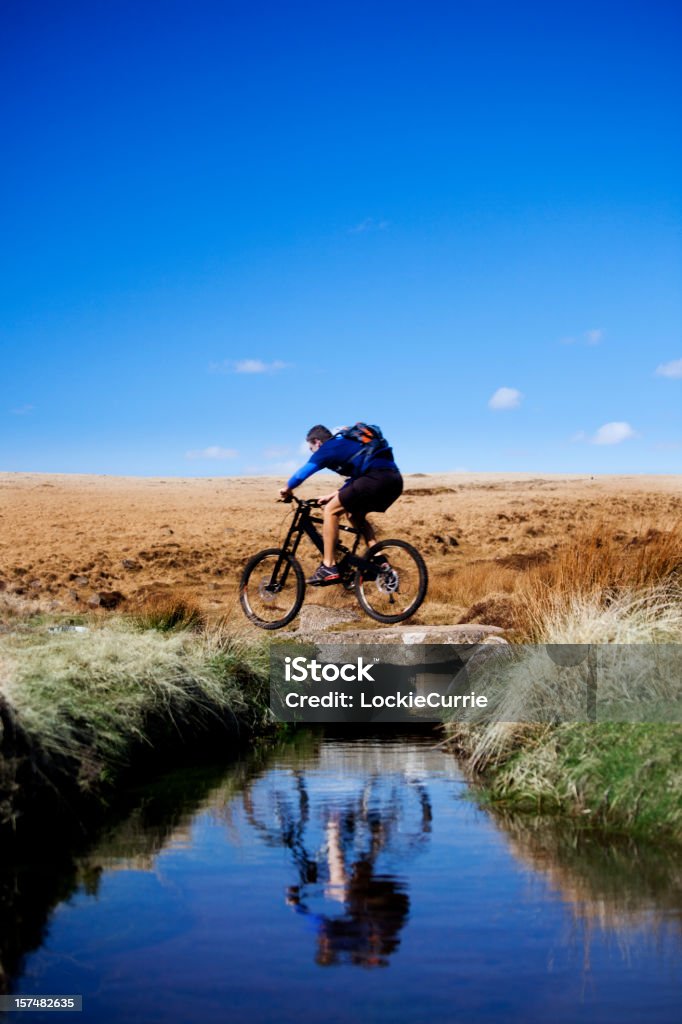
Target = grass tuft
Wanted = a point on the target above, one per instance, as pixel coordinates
(168, 612)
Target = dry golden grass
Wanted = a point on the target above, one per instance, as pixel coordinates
(600, 560)
(169, 611)
(597, 570)
(521, 592)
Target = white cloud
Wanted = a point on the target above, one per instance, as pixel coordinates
(671, 369)
(277, 451)
(22, 410)
(613, 433)
(248, 366)
(258, 366)
(214, 451)
(506, 398)
(579, 436)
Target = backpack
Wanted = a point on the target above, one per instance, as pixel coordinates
(372, 440)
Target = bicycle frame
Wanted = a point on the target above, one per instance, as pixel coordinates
(302, 524)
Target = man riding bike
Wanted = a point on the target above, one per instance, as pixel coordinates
(374, 484)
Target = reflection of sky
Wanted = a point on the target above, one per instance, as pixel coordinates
(487, 939)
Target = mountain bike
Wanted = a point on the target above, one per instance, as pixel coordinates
(389, 581)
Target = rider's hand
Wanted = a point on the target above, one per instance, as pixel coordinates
(285, 494)
(324, 498)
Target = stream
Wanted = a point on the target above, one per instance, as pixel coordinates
(336, 879)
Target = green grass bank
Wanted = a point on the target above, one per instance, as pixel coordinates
(617, 777)
(86, 708)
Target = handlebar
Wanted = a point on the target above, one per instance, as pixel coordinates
(310, 502)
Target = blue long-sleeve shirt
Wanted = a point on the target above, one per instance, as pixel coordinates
(335, 454)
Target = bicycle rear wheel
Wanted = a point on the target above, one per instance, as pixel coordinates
(393, 590)
(272, 588)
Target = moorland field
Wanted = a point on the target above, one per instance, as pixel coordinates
(65, 539)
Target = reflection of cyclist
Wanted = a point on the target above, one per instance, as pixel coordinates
(373, 903)
(376, 907)
(372, 488)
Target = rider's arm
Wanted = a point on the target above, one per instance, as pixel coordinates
(303, 473)
(326, 457)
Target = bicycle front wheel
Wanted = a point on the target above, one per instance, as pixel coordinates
(396, 585)
(272, 588)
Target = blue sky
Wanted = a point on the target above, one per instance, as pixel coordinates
(224, 222)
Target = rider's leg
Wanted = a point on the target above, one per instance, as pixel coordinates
(360, 523)
(333, 511)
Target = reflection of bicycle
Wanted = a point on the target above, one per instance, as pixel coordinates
(395, 807)
(389, 582)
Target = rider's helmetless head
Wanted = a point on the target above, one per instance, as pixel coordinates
(316, 436)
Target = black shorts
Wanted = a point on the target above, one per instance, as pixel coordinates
(372, 492)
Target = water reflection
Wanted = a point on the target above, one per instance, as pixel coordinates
(339, 845)
(33, 885)
(610, 884)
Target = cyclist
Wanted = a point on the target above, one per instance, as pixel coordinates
(372, 489)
